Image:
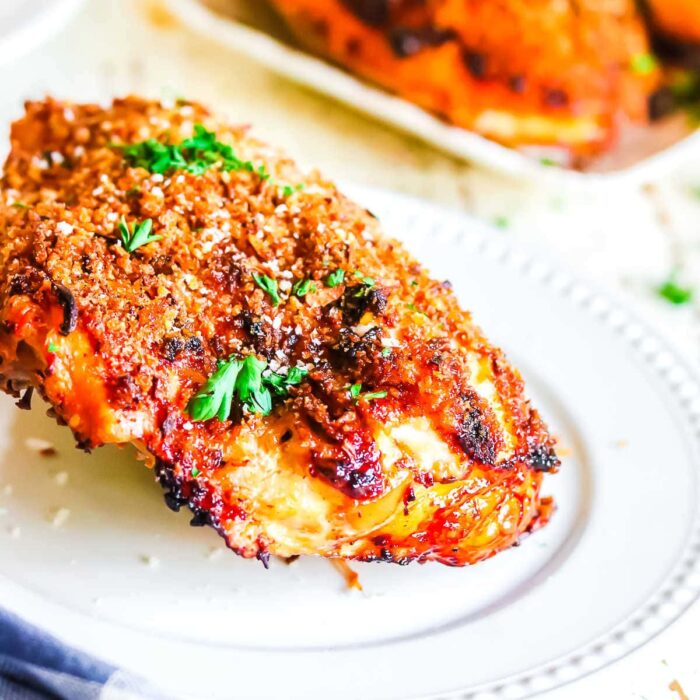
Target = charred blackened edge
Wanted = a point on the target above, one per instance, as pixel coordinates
(475, 436)
(384, 555)
(540, 458)
(30, 283)
(359, 299)
(546, 508)
(352, 477)
(24, 389)
(375, 13)
(25, 402)
(175, 499)
(351, 345)
(543, 458)
(70, 308)
(25, 283)
(174, 346)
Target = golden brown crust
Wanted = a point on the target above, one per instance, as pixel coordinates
(447, 466)
(540, 72)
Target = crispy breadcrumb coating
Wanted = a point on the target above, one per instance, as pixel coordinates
(405, 434)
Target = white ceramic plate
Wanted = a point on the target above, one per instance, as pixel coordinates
(249, 27)
(25, 24)
(118, 574)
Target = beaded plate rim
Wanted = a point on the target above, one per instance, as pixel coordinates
(681, 587)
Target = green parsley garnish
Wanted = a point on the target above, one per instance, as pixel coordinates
(386, 352)
(215, 397)
(363, 289)
(367, 281)
(303, 287)
(501, 222)
(194, 155)
(249, 386)
(269, 285)
(415, 309)
(549, 162)
(371, 395)
(20, 205)
(249, 381)
(673, 292)
(195, 472)
(278, 383)
(643, 63)
(335, 278)
(52, 347)
(356, 393)
(137, 236)
(289, 190)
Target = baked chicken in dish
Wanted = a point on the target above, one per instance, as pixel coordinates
(543, 72)
(294, 377)
(678, 19)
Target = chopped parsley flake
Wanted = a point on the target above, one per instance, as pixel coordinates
(140, 234)
(367, 281)
(364, 288)
(52, 347)
(20, 205)
(249, 381)
(278, 383)
(371, 395)
(250, 388)
(549, 162)
(501, 222)
(194, 155)
(386, 352)
(289, 190)
(356, 393)
(415, 309)
(303, 287)
(269, 285)
(673, 292)
(195, 472)
(335, 278)
(643, 64)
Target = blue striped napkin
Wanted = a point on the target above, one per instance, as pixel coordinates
(36, 666)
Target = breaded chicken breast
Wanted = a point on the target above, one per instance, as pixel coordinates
(542, 72)
(294, 377)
